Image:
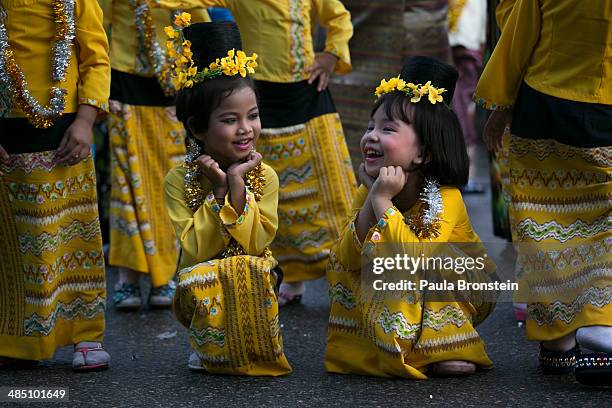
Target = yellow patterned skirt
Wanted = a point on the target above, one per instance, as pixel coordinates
(146, 142)
(317, 184)
(561, 201)
(231, 310)
(397, 336)
(52, 285)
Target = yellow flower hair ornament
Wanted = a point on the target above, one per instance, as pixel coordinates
(185, 73)
(414, 92)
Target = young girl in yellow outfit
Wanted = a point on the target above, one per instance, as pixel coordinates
(223, 206)
(300, 124)
(413, 143)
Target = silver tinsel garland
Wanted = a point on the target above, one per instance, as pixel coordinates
(157, 63)
(157, 56)
(432, 197)
(5, 81)
(14, 92)
(426, 224)
(63, 47)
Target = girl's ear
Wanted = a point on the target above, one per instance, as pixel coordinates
(199, 136)
(190, 125)
(423, 158)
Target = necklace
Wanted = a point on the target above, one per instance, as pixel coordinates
(156, 60)
(194, 193)
(426, 224)
(14, 82)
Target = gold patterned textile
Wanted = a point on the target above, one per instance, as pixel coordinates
(142, 237)
(52, 285)
(561, 216)
(316, 186)
(231, 311)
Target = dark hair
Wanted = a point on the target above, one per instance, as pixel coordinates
(195, 105)
(439, 133)
(209, 41)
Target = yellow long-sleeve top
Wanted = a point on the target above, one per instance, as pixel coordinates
(561, 48)
(205, 233)
(502, 12)
(128, 50)
(31, 32)
(280, 32)
(455, 227)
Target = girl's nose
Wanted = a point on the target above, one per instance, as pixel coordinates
(245, 129)
(371, 136)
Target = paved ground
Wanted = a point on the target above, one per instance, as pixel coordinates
(151, 372)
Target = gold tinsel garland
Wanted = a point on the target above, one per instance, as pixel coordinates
(13, 78)
(158, 61)
(426, 224)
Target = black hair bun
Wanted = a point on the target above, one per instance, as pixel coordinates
(420, 69)
(210, 41)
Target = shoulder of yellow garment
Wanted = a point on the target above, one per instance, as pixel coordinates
(268, 171)
(451, 198)
(450, 194)
(453, 206)
(175, 176)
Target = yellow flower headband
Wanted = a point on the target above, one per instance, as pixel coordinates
(186, 73)
(415, 92)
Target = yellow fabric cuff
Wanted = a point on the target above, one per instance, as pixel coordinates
(97, 103)
(229, 216)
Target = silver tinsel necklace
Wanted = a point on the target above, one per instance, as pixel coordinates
(426, 224)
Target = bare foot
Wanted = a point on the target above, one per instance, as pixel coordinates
(290, 292)
(564, 343)
(453, 368)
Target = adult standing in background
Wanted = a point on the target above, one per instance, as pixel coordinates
(146, 141)
(554, 89)
(467, 21)
(302, 137)
(54, 80)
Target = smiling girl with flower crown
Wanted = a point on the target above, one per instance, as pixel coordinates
(223, 205)
(414, 163)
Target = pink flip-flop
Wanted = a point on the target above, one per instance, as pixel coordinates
(103, 365)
